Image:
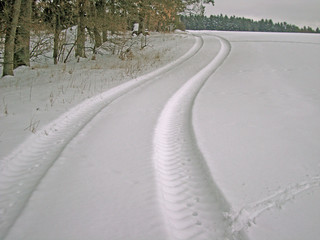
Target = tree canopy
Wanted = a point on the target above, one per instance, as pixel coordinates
(226, 23)
(95, 18)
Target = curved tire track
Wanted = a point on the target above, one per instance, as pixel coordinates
(192, 204)
(23, 170)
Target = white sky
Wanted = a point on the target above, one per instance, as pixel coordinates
(298, 12)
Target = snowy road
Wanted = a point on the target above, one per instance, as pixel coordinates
(173, 154)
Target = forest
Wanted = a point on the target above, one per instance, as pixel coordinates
(24, 20)
(226, 23)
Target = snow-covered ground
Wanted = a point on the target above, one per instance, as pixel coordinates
(216, 137)
(36, 96)
(258, 124)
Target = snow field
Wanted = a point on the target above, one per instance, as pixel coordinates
(192, 203)
(257, 123)
(222, 143)
(24, 168)
(110, 142)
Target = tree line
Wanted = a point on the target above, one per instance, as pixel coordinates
(226, 23)
(96, 18)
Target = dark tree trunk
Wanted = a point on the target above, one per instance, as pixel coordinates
(81, 38)
(102, 15)
(95, 25)
(97, 37)
(22, 43)
(112, 12)
(57, 31)
(12, 23)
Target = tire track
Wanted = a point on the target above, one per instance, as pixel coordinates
(192, 204)
(23, 170)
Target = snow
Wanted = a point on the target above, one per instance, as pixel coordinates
(258, 125)
(215, 137)
(41, 94)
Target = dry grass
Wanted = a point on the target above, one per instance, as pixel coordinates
(96, 66)
(5, 106)
(33, 126)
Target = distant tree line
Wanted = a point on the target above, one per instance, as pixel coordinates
(225, 23)
(19, 19)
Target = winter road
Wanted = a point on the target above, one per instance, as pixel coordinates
(112, 127)
(126, 164)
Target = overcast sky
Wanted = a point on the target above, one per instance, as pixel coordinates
(298, 12)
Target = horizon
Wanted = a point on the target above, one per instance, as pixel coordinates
(296, 12)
